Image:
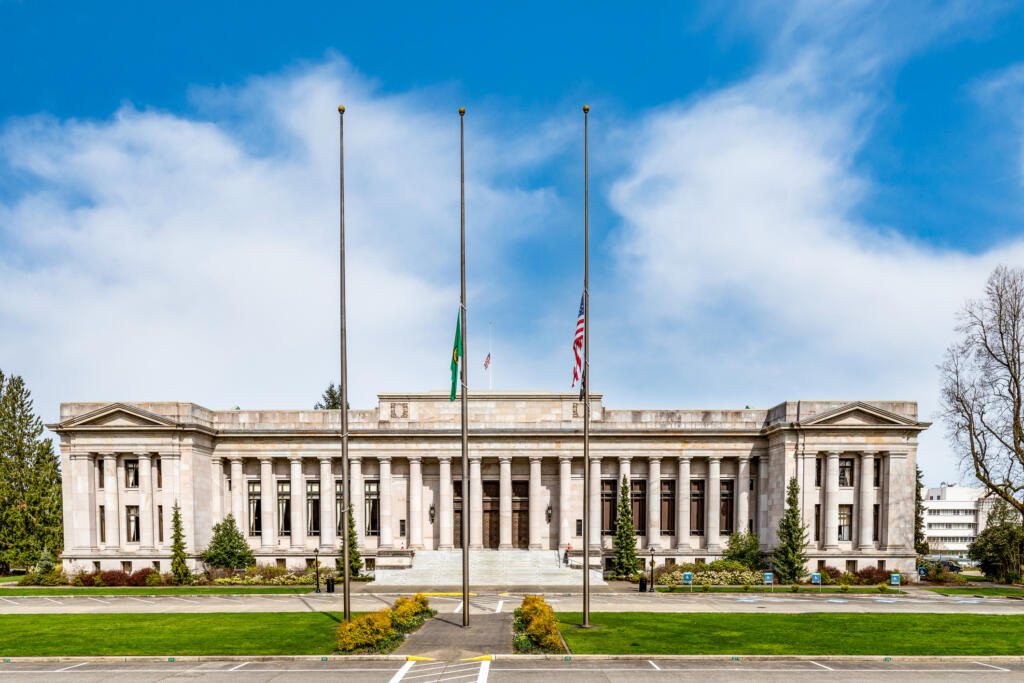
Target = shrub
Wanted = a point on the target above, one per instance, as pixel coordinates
(746, 587)
(794, 588)
(97, 580)
(537, 620)
(153, 578)
(833, 574)
(55, 577)
(881, 587)
(849, 579)
(138, 578)
(82, 579)
(844, 587)
(706, 586)
(114, 577)
(744, 548)
(369, 633)
(28, 579)
(409, 613)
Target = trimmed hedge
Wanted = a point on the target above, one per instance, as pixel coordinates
(383, 631)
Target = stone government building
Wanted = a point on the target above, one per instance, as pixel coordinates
(695, 477)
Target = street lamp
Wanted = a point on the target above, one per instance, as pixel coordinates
(316, 565)
(651, 549)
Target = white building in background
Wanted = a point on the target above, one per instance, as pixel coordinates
(954, 515)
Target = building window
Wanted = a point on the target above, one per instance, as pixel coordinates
(846, 471)
(95, 566)
(608, 497)
(401, 528)
(126, 566)
(725, 504)
(313, 508)
(131, 474)
(817, 521)
(255, 513)
(697, 507)
(280, 562)
(131, 526)
(103, 525)
(100, 477)
(284, 508)
(371, 495)
(579, 527)
(160, 522)
(638, 499)
(851, 566)
(845, 518)
(668, 507)
(875, 518)
(878, 472)
(881, 565)
(817, 471)
(159, 473)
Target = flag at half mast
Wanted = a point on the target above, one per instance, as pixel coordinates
(578, 372)
(456, 354)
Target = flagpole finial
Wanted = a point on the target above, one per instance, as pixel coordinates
(341, 109)
(586, 108)
(462, 111)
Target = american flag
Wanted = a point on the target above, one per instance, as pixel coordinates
(577, 350)
(487, 361)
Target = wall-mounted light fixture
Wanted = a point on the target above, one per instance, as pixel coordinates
(431, 513)
(548, 513)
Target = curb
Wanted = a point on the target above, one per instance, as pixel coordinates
(1005, 659)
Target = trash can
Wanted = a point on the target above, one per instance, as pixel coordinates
(643, 583)
(330, 584)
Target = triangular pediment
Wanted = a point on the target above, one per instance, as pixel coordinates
(858, 414)
(119, 415)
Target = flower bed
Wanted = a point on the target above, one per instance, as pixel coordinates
(383, 631)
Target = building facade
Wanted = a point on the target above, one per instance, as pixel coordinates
(953, 517)
(694, 476)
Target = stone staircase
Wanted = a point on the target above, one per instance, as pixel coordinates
(521, 568)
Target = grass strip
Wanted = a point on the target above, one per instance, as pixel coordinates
(157, 590)
(794, 634)
(778, 589)
(977, 590)
(224, 633)
(9, 579)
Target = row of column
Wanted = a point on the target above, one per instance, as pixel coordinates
(865, 502)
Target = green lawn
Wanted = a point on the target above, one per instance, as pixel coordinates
(778, 589)
(9, 579)
(155, 590)
(976, 590)
(266, 633)
(806, 634)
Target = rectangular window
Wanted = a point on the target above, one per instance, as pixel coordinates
(817, 471)
(131, 474)
(371, 494)
(725, 503)
(103, 525)
(255, 513)
(638, 501)
(131, 526)
(608, 500)
(845, 520)
(313, 508)
(156, 565)
(875, 519)
(697, 507)
(668, 507)
(159, 473)
(160, 523)
(851, 566)
(817, 521)
(878, 472)
(881, 565)
(100, 476)
(284, 508)
(401, 528)
(126, 566)
(846, 471)
(579, 527)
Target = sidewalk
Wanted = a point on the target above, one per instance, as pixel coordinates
(444, 637)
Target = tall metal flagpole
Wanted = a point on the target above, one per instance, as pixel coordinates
(490, 362)
(465, 385)
(586, 373)
(344, 375)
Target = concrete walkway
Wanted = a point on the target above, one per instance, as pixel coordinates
(444, 637)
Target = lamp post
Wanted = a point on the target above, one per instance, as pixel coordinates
(651, 589)
(316, 566)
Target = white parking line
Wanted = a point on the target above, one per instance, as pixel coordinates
(401, 672)
(10, 601)
(458, 608)
(997, 668)
(485, 667)
(56, 602)
(498, 608)
(105, 602)
(171, 597)
(656, 667)
(73, 666)
(826, 668)
(148, 602)
(238, 666)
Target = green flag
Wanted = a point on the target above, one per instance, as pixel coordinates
(456, 353)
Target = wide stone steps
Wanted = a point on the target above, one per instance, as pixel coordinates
(439, 568)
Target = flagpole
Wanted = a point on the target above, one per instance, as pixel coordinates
(465, 386)
(490, 363)
(586, 372)
(344, 376)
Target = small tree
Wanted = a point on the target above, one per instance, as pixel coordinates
(789, 557)
(228, 548)
(999, 551)
(1001, 513)
(624, 545)
(45, 564)
(331, 399)
(745, 549)
(179, 568)
(920, 542)
(355, 561)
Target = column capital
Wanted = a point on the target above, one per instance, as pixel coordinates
(235, 458)
(82, 456)
(744, 456)
(833, 454)
(265, 459)
(475, 458)
(715, 457)
(109, 456)
(355, 459)
(217, 459)
(685, 457)
(440, 458)
(624, 459)
(536, 458)
(143, 455)
(415, 458)
(565, 458)
(505, 459)
(869, 454)
(291, 458)
(654, 458)
(324, 459)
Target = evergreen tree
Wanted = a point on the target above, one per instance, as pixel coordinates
(45, 564)
(789, 557)
(355, 561)
(1001, 513)
(31, 515)
(624, 543)
(745, 549)
(179, 568)
(331, 399)
(920, 543)
(228, 548)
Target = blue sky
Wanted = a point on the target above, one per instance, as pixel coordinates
(789, 200)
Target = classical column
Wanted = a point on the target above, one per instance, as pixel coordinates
(415, 502)
(297, 501)
(832, 501)
(898, 494)
(866, 500)
(743, 493)
(713, 517)
(110, 502)
(476, 503)
(385, 500)
(505, 502)
(623, 472)
(145, 500)
(762, 499)
(268, 530)
(654, 501)
(238, 495)
(536, 504)
(595, 502)
(564, 511)
(328, 501)
(683, 504)
(85, 515)
(355, 468)
(217, 489)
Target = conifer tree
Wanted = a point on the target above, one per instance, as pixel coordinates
(179, 568)
(355, 561)
(790, 557)
(31, 515)
(920, 541)
(228, 548)
(624, 543)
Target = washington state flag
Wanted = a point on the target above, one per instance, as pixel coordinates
(456, 354)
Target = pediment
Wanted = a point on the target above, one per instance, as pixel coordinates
(858, 414)
(119, 415)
